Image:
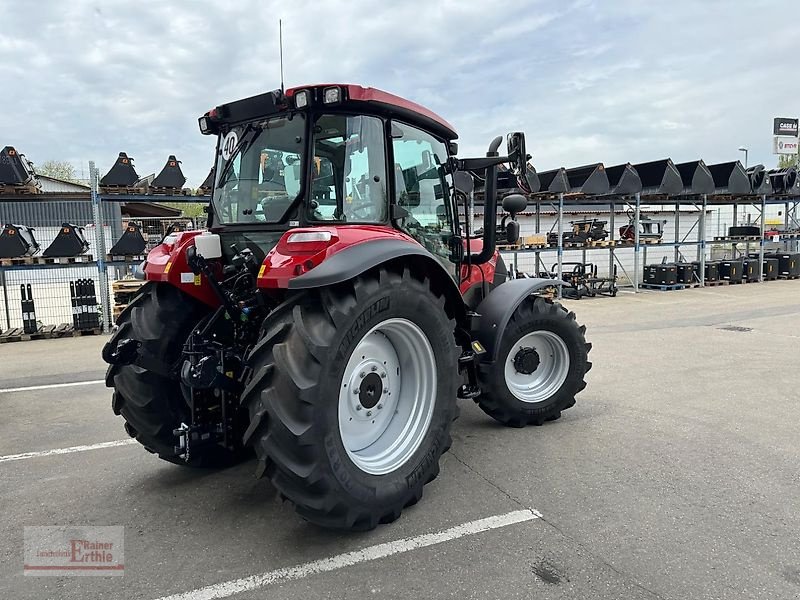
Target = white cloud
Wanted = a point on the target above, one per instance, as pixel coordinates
(608, 81)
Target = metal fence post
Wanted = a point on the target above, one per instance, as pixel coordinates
(100, 247)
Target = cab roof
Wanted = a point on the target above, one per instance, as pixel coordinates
(378, 101)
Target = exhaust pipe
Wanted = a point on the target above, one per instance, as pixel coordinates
(489, 207)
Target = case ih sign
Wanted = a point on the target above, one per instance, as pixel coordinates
(782, 126)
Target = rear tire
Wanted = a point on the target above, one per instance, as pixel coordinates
(305, 420)
(540, 366)
(160, 318)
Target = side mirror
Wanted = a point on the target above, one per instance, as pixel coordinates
(517, 154)
(515, 203)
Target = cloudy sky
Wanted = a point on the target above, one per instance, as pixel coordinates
(588, 81)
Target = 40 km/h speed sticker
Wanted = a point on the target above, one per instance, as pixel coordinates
(229, 145)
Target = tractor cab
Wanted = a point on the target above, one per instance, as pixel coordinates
(340, 156)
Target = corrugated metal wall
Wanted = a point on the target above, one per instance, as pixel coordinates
(37, 213)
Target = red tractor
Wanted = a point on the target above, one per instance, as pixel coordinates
(338, 306)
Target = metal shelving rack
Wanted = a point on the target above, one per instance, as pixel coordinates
(637, 202)
(101, 216)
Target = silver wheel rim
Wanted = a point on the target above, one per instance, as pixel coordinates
(382, 428)
(549, 374)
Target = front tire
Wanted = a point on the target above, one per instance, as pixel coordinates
(540, 366)
(325, 363)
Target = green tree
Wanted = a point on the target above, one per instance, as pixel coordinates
(57, 169)
(190, 209)
(787, 160)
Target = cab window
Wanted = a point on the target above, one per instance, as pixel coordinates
(348, 170)
(422, 187)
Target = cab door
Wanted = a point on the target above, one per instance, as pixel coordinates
(422, 190)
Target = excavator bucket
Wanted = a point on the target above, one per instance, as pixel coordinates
(783, 180)
(207, 185)
(171, 175)
(623, 179)
(555, 181)
(122, 174)
(588, 179)
(759, 179)
(17, 241)
(696, 178)
(730, 178)
(130, 243)
(68, 242)
(659, 178)
(15, 169)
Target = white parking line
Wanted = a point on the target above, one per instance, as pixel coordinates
(70, 450)
(246, 584)
(50, 386)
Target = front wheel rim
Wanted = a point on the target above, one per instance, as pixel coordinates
(548, 370)
(387, 396)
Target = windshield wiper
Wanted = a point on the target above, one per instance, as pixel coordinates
(243, 145)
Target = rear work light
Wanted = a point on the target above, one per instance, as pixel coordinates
(332, 95)
(309, 236)
(301, 99)
(306, 242)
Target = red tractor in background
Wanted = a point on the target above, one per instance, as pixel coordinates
(338, 306)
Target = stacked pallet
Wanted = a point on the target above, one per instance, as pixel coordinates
(124, 290)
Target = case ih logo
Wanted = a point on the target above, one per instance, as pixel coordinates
(783, 126)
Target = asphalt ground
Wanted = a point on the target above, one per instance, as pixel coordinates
(674, 476)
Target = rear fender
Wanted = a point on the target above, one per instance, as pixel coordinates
(355, 251)
(167, 263)
(496, 309)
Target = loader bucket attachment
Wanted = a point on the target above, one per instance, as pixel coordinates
(130, 243)
(555, 181)
(623, 179)
(783, 180)
(759, 179)
(730, 178)
(207, 185)
(122, 174)
(696, 178)
(15, 169)
(659, 178)
(171, 175)
(589, 179)
(17, 241)
(68, 242)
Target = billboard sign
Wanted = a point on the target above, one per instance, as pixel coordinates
(784, 127)
(784, 145)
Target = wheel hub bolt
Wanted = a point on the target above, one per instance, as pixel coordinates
(358, 407)
(369, 413)
(383, 375)
(374, 368)
(380, 406)
(362, 374)
(386, 390)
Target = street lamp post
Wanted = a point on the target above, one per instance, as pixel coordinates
(743, 149)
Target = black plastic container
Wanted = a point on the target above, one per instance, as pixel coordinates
(732, 270)
(771, 268)
(711, 272)
(750, 269)
(661, 274)
(685, 272)
(788, 264)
